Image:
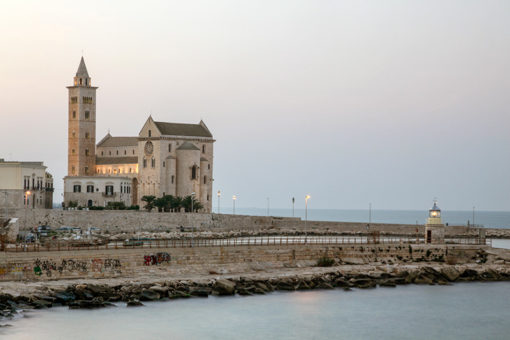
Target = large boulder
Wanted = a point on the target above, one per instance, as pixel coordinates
(149, 295)
(450, 273)
(224, 287)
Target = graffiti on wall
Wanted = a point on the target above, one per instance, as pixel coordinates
(50, 267)
(158, 258)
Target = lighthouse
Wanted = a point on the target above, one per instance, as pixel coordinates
(434, 229)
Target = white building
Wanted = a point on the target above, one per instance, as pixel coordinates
(99, 191)
(25, 185)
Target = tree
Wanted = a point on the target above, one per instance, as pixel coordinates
(186, 204)
(160, 203)
(149, 200)
(176, 204)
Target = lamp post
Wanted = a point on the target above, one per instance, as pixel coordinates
(27, 194)
(474, 225)
(219, 196)
(234, 197)
(192, 224)
(293, 201)
(369, 213)
(307, 197)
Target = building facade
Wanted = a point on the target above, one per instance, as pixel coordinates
(25, 185)
(163, 159)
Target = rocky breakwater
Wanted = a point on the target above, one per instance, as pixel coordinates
(93, 295)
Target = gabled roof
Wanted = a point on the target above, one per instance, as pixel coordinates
(109, 141)
(116, 160)
(188, 146)
(82, 69)
(178, 129)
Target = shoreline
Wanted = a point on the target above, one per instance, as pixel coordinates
(16, 297)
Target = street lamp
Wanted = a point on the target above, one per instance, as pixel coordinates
(307, 197)
(192, 224)
(293, 201)
(474, 225)
(234, 204)
(219, 196)
(27, 194)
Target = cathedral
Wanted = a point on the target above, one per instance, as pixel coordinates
(164, 159)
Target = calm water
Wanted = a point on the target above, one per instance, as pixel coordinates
(461, 311)
(493, 219)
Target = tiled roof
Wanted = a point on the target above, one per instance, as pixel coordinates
(187, 146)
(110, 141)
(178, 129)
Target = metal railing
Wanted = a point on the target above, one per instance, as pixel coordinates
(225, 242)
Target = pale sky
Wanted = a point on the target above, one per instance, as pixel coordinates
(388, 102)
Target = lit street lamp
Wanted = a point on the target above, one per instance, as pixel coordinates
(234, 204)
(293, 201)
(307, 197)
(219, 196)
(27, 194)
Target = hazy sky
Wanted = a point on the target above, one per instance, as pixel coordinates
(389, 102)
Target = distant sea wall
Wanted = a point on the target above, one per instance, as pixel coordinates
(130, 221)
(109, 263)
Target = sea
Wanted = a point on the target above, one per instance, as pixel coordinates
(488, 219)
(478, 310)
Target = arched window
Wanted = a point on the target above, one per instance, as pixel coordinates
(203, 148)
(205, 179)
(170, 147)
(150, 133)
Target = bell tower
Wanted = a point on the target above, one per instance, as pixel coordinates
(81, 159)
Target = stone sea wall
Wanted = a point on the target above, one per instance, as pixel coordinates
(109, 263)
(131, 221)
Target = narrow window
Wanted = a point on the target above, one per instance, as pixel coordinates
(87, 135)
(153, 163)
(169, 147)
(208, 166)
(74, 114)
(110, 153)
(87, 115)
(133, 151)
(86, 152)
(150, 133)
(163, 164)
(90, 188)
(144, 163)
(86, 82)
(208, 197)
(125, 152)
(172, 179)
(102, 153)
(117, 152)
(194, 172)
(205, 179)
(203, 148)
(86, 170)
(77, 188)
(72, 151)
(81, 82)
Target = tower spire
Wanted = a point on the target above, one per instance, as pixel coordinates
(82, 69)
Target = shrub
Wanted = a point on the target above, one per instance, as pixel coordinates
(325, 262)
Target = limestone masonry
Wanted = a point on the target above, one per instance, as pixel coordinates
(163, 159)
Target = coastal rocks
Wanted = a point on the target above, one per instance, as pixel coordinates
(134, 303)
(96, 302)
(149, 295)
(224, 287)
